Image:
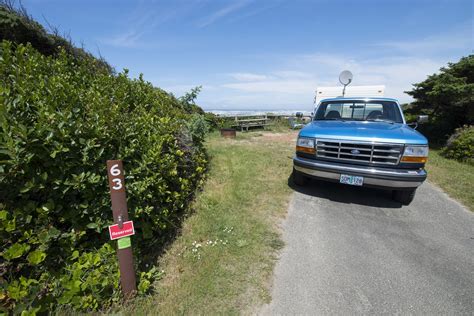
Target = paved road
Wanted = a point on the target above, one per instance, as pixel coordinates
(355, 251)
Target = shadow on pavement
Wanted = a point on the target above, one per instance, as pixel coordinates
(345, 193)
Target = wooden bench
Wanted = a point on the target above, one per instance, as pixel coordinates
(244, 122)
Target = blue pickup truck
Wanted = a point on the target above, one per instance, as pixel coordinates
(362, 142)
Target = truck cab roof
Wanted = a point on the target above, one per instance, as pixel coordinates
(359, 99)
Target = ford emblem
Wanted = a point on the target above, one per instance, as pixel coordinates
(355, 152)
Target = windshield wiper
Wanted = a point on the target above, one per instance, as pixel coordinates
(380, 120)
(331, 119)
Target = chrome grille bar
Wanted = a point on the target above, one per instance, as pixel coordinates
(370, 153)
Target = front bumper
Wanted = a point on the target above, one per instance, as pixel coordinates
(388, 178)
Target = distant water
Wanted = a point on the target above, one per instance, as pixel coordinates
(256, 112)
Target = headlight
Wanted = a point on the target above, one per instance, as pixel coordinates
(305, 142)
(416, 154)
(306, 145)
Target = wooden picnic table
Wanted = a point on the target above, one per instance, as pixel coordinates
(244, 123)
(254, 120)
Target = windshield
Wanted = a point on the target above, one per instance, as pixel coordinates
(380, 111)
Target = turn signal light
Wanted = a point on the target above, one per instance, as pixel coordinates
(414, 159)
(305, 150)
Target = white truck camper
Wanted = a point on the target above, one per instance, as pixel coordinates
(351, 91)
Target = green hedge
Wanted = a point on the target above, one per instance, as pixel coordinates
(60, 120)
(460, 145)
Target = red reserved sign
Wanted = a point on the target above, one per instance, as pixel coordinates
(127, 230)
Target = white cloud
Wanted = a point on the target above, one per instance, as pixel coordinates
(268, 5)
(225, 11)
(127, 39)
(460, 37)
(143, 20)
(246, 76)
(277, 86)
(293, 74)
(294, 89)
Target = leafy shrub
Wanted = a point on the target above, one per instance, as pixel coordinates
(198, 127)
(460, 145)
(60, 120)
(225, 121)
(213, 121)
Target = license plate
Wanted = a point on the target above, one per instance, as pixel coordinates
(352, 180)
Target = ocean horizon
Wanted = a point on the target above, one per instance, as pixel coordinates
(256, 112)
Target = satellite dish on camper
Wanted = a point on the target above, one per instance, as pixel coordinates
(345, 78)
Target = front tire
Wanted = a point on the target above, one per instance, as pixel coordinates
(404, 196)
(299, 178)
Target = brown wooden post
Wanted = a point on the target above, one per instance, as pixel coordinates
(120, 213)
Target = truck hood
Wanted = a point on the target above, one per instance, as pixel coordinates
(364, 131)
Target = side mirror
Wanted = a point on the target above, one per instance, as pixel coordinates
(422, 119)
(419, 120)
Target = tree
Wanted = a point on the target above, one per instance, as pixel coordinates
(188, 100)
(448, 97)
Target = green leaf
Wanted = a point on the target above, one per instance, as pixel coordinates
(74, 286)
(75, 254)
(53, 232)
(25, 189)
(16, 291)
(143, 286)
(28, 219)
(10, 225)
(6, 152)
(92, 225)
(36, 257)
(31, 311)
(16, 251)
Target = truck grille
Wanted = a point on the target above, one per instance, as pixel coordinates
(360, 152)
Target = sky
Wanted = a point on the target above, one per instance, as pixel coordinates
(267, 54)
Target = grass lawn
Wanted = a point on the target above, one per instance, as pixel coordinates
(223, 259)
(454, 177)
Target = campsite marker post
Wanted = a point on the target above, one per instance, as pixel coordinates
(123, 228)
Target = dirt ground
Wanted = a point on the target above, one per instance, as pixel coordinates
(282, 137)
